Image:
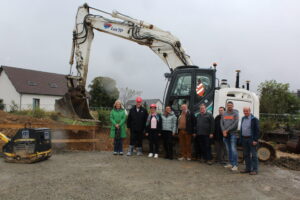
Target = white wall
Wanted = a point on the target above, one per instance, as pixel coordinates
(8, 92)
(159, 106)
(46, 102)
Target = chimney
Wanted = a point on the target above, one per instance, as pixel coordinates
(237, 82)
(248, 85)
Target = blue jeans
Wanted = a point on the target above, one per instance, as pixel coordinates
(230, 143)
(250, 155)
(118, 145)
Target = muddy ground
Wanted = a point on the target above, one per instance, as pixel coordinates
(100, 175)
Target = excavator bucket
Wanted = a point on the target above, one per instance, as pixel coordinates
(74, 105)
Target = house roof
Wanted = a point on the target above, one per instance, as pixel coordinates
(148, 101)
(28, 81)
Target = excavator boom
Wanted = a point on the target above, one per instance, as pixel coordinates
(162, 43)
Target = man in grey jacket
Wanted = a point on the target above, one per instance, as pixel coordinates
(204, 131)
(229, 125)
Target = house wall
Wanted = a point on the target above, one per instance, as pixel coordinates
(8, 92)
(46, 102)
(159, 106)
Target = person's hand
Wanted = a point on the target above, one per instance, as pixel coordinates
(254, 143)
(225, 133)
(211, 136)
(159, 134)
(194, 135)
(117, 126)
(173, 134)
(147, 134)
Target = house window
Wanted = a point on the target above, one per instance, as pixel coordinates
(36, 103)
(53, 85)
(31, 83)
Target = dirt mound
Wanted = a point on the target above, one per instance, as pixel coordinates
(288, 162)
(12, 118)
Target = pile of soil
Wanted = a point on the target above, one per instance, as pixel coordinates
(287, 160)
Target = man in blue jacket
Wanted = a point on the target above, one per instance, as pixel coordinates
(249, 135)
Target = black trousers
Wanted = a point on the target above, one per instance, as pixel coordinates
(168, 143)
(153, 141)
(203, 147)
(136, 138)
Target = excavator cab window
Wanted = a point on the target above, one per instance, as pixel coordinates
(203, 86)
(183, 85)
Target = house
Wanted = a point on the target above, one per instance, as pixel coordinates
(146, 103)
(28, 89)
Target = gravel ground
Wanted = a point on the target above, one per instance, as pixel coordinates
(100, 175)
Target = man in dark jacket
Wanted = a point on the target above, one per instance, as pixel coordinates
(185, 131)
(204, 131)
(136, 122)
(249, 135)
(220, 148)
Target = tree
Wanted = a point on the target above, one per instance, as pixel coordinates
(103, 92)
(2, 106)
(276, 98)
(126, 94)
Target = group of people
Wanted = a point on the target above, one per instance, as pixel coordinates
(195, 133)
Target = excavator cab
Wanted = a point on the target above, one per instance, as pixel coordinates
(192, 86)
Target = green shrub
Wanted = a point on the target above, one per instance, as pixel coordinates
(39, 113)
(104, 117)
(54, 116)
(2, 106)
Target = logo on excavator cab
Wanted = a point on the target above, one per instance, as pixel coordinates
(109, 26)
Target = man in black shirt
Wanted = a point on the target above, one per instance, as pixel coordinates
(220, 148)
(136, 122)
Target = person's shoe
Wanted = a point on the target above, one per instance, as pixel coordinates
(139, 151)
(228, 166)
(244, 171)
(234, 168)
(188, 159)
(150, 155)
(181, 158)
(156, 155)
(115, 153)
(130, 149)
(209, 162)
(253, 173)
(121, 153)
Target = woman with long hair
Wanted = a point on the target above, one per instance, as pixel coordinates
(118, 131)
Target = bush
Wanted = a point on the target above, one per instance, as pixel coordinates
(104, 117)
(39, 113)
(13, 107)
(2, 106)
(54, 116)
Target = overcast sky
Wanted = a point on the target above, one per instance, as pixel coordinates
(259, 37)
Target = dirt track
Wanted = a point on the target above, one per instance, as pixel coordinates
(100, 175)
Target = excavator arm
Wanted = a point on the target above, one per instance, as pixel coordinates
(161, 42)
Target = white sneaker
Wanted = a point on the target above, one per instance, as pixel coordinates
(228, 166)
(150, 155)
(234, 169)
(156, 155)
(182, 158)
(188, 159)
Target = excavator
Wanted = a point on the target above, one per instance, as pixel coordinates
(186, 82)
